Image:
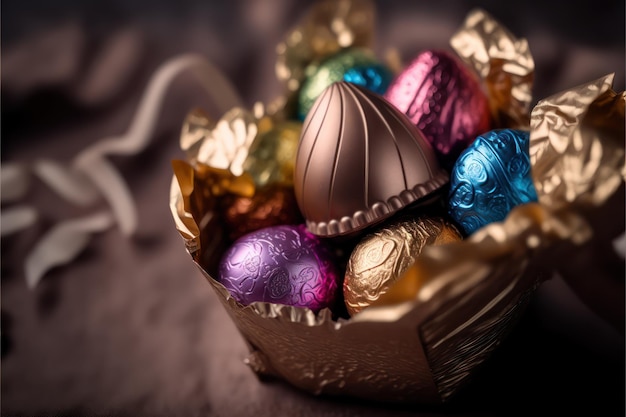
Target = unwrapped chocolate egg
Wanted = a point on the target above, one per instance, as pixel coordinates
(444, 99)
(272, 154)
(359, 161)
(491, 176)
(282, 264)
(355, 65)
(383, 256)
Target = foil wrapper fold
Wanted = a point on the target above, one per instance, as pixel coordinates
(503, 62)
(426, 345)
(577, 145)
(328, 27)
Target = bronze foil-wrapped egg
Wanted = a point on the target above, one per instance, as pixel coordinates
(271, 205)
(386, 254)
(359, 161)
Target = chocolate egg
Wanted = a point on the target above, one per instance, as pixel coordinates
(355, 65)
(283, 265)
(359, 161)
(271, 205)
(383, 256)
(444, 100)
(490, 178)
(272, 155)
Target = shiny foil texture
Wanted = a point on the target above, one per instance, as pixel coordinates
(270, 205)
(224, 144)
(359, 161)
(386, 254)
(327, 27)
(504, 65)
(282, 264)
(357, 65)
(457, 302)
(491, 176)
(444, 99)
(578, 154)
(272, 155)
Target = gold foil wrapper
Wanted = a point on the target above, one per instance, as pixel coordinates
(327, 27)
(577, 145)
(239, 173)
(383, 256)
(195, 192)
(224, 145)
(503, 63)
(457, 301)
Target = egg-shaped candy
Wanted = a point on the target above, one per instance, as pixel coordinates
(271, 205)
(444, 99)
(490, 177)
(386, 254)
(272, 154)
(282, 264)
(359, 161)
(355, 65)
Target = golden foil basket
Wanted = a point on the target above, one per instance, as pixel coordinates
(425, 347)
(460, 299)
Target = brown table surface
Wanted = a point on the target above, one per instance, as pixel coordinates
(130, 327)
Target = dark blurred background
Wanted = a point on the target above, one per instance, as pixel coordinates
(58, 47)
(130, 327)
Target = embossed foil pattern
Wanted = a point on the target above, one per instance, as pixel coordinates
(490, 178)
(281, 264)
(444, 100)
(380, 258)
(423, 348)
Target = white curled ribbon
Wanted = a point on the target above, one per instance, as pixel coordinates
(91, 176)
(70, 235)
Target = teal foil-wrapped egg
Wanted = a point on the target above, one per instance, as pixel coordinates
(489, 178)
(354, 65)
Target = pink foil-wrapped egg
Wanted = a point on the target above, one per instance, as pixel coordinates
(444, 100)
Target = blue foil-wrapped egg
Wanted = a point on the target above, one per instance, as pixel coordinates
(489, 178)
(375, 77)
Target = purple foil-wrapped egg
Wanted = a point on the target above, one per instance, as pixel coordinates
(282, 264)
(444, 100)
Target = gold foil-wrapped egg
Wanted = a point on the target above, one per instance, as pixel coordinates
(272, 155)
(359, 161)
(385, 255)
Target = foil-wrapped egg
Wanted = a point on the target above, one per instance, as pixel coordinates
(491, 176)
(359, 161)
(355, 65)
(383, 256)
(444, 99)
(271, 205)
(272, 154)
(282, 264)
